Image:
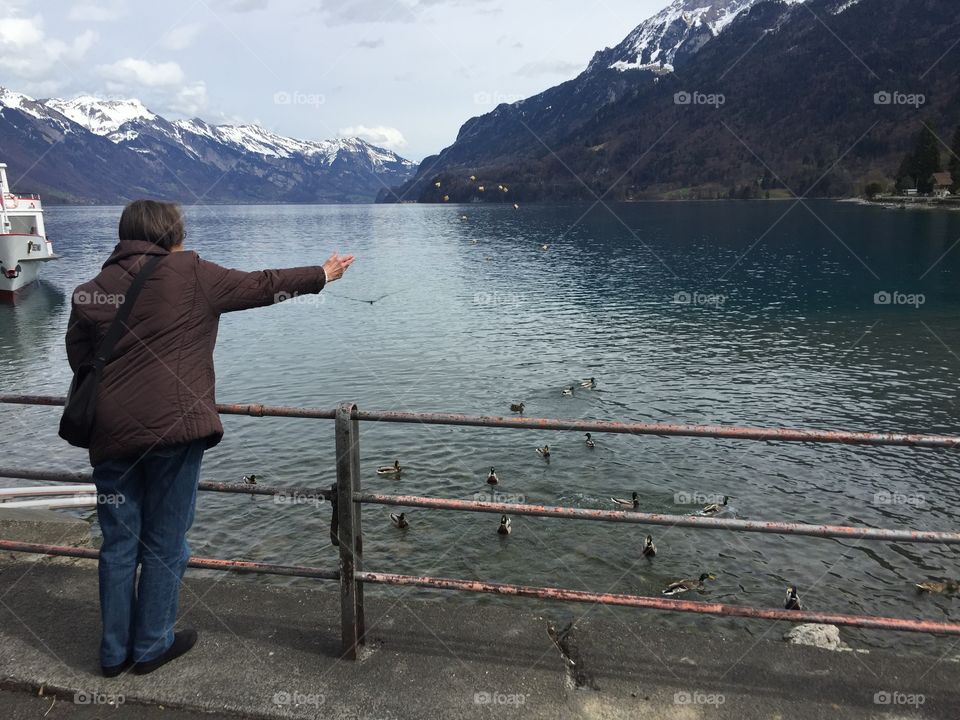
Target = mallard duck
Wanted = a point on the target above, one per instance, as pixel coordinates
(649, 549)
(492, 478)
(589, 442)
(544, 452)
(399, 521)
(394, 469)
(250, 479)
(793, 600)
(715, 507)
(591, 383)
(634, 502)
(517, 407)
(505, 525)
(567, 392)
(951, 587)
(682, 586)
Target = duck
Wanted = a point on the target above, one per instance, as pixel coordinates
(591, 383)
(793, 600)
(480, 188)
(589, 442)
(951, 587)
(567, 392)
(437, 184)
(492, 478)
(544, 247)
(250, 479)
(649, 549)
(715, 507)
(516, 206)
(505, 525)
(399, 521)
(394, 469)
(682, 586)
(544, 452)
(517, 407)
(634, 502)
(473, 178)
(446, 198)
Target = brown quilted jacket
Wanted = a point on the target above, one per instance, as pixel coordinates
(158, 388)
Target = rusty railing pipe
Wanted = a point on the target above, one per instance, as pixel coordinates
(628, 516)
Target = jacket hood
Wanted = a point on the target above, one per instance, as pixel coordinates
(129, 248)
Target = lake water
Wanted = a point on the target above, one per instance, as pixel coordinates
(781, 328)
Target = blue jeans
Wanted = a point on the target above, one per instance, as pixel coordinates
(145, 508)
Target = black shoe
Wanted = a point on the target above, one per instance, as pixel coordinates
(182, 642)
(111, 671)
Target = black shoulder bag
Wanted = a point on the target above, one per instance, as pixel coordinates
(76, 424)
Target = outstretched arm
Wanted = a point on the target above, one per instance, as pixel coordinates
(230, 290)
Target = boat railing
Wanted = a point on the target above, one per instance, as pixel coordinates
(347, 499)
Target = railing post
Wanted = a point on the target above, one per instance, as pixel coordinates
(352, 627)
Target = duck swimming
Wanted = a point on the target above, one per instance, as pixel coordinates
(793, 600)
(505, 525)
(517, 407)
(950, 587)
(544, 452)
(567, 392)
(649, 549)
(634, 502)
(399, 521)
(591, 383)
(250, 479)
(682, 586)
(492, 478)
(394, 469)
(590, 443)
(715, 507)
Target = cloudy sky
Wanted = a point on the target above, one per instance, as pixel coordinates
(402, 73)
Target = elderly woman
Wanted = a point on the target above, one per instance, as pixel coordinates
(155, 416)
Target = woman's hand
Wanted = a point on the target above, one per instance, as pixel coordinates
(336, 265)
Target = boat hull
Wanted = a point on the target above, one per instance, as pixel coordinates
(17, 268)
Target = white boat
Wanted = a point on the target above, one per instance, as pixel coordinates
(23, 241)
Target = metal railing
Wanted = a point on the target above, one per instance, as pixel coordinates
(348, 498)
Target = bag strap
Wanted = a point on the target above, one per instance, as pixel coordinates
(105, 349)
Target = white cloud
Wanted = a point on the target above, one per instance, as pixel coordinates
(30, 58)
(379, 135)
(242, 6)
(132, 72)
(181, 37)
(97, 11)
(550, 67)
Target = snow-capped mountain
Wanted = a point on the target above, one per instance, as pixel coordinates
(679, 31)
(182, 159)
(669, 109)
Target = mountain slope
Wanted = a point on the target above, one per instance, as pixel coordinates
(797, 83)
(87, 150)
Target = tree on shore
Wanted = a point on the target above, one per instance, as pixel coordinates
(955, 161)
(921, 163)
